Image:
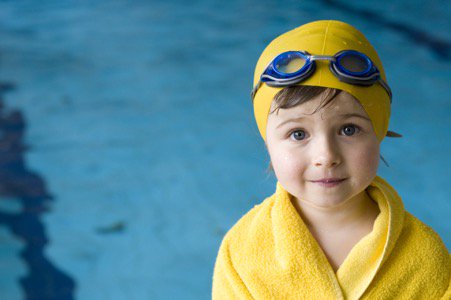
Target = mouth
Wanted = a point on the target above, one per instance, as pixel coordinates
(329, 182)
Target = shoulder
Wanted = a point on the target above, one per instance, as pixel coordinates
(419, 231)
(254, 217)
(252, 227)
(423, 256)
(239, 246)
(425, 248)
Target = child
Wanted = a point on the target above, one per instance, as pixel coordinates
(333, 229)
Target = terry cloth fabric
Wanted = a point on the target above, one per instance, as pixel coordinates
(271, 254)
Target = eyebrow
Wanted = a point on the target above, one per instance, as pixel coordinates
(343, 116)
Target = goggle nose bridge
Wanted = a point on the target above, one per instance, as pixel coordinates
(323, 57)
(348, 78)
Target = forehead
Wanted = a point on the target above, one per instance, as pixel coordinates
(343, 103)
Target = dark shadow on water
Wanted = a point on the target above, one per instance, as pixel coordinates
(44, 280)
(440, 47)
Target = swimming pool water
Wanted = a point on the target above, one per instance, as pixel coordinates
(129, 144)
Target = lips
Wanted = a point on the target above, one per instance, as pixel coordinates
(329, 180)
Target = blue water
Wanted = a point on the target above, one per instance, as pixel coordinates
(128, 145)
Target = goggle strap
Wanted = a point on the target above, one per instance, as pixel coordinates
(386, 87)
(285, 83)
(358, 80)
(259, 83)
(254, 90)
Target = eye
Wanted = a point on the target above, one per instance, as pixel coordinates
(298, 135)
(350, 129)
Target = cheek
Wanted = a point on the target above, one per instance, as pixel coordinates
(367, 162)
(286, 165)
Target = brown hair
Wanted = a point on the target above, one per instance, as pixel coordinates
(292, 96)
(295, 95)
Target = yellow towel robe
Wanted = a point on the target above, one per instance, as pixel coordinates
(271, 254)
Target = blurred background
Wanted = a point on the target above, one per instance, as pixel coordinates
(128, 146)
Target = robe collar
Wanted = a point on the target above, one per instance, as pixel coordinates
(297, 249)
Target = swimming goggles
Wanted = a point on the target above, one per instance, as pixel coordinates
(348, 66)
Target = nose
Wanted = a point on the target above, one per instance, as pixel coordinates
(326, 152)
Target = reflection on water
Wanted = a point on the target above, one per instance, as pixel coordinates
(44, 280)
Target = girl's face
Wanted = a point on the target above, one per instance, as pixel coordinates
(338, 141)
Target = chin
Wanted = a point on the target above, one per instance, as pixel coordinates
(326, 203)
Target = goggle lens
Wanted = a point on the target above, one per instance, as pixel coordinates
(290, 64)
(349, 66)
(354, 63)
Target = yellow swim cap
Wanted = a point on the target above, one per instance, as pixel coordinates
(326, 37)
